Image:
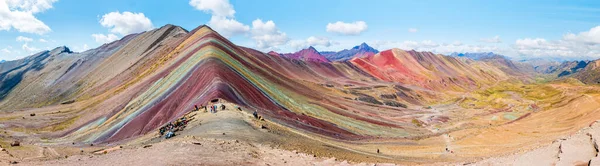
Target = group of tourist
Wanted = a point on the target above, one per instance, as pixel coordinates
(214, 108)
(169, 130)
(178, 125)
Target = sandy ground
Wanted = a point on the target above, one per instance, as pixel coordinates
(197, 151)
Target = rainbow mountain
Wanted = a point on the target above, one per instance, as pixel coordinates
(134, 85)
(395, 105)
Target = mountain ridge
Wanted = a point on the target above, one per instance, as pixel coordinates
(362, 50)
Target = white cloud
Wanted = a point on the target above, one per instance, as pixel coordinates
(34, 6)
(126, 23)
(343, 28)
(532, 43)
(43, 40)
(23, 39)
(428, 45)
(5, 50)
(590, 37)
(385, 45)
(576, 46)
(101, 38)
(222, 19)
(311, 41)
(19, 14)
(405, 45)
(585, 44)
(450, 48)
(298, 44)
(319, 41)
(220, 8)
(457, 43)
(413, 30)
(122, 23)
(83, 48)
(267, 36)
(495, 39)
(29, 49)
(541, 47)
(227, 27)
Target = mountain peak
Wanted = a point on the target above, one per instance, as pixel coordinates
(205, 27)
(311, 50)
(361, 46)
(168, 26)
(273, 53)
(477, 55)
(61, 49)
(365, 47)
(307, 54)
(361, 50)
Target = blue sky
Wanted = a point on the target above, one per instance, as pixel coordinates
(519, 29)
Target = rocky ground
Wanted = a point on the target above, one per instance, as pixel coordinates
(578, 149)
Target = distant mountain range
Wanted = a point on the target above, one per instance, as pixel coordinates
(586, 71)
(362, 50)
(308, 54)
(474, 56)
(311, 54)
(502, 62)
